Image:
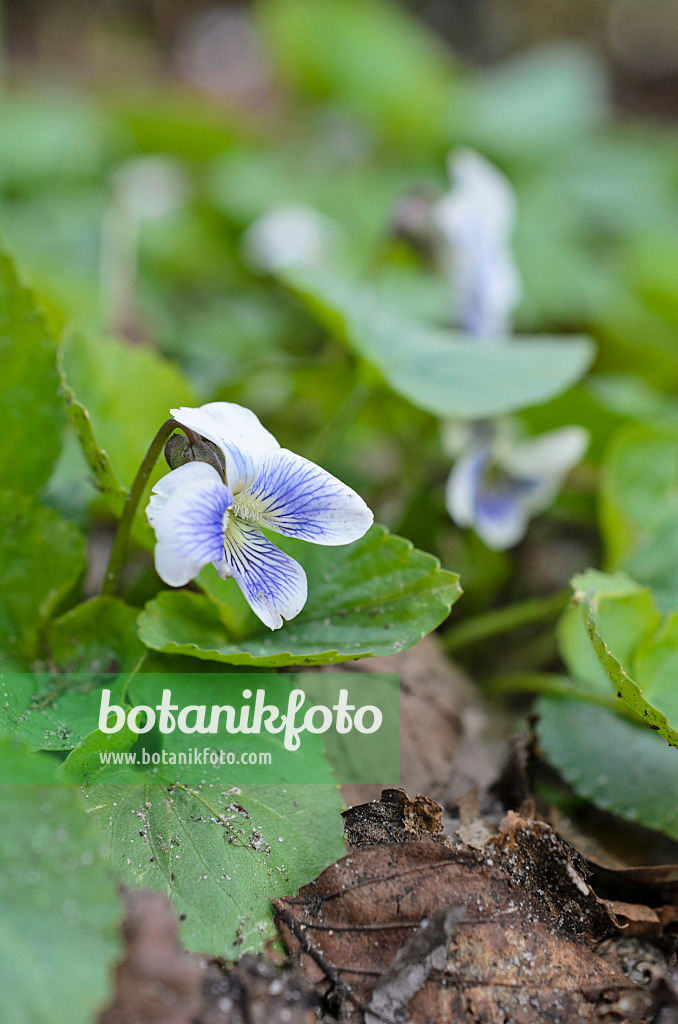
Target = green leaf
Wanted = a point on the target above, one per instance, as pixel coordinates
(58, 909)
(375, 597)
(308, 762)
(32, 414)
(641, 696)
(370, 57)
(41, 559)
(63, 135)
(655, 666)
(540, 103)
(639, 508)
(626, 614)
(98, 635)
(83, 764)
(128, 391)
(442, 371)
(617, 765)
(91, 646)
(19, 765)
(97, 459)
(221, 853)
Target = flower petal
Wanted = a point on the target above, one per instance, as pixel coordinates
(463, 483)
(475, 221)
(238, 432)
(274, 584)
(187, 513)
(178, 478)
(552, 454)
(296, 498)
(502, 517)
(495, 505)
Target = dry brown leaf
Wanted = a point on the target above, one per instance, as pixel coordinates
(394, 818)
(658, 924)
(636, 913)
(506, 958)
(472, 829)
(553, 872)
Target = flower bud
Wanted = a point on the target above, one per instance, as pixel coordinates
(179, 450)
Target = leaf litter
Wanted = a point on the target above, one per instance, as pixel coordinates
(483, 935)
(473, 914)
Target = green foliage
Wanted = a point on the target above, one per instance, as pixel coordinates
(615, 636)
(356, 377)
(127, 391)
(639, 508)
(33, 420)
(440, 371)
(539, 104)
(93, 645)
(97, 636)
(308, 762)
(624, 612)
(221, 853)
(41, 560)
(377, 596)
(641, 697)
(619, 766)
(83, 763)
(97, 459)
(614, 743)
(367, 55)
(59, 911)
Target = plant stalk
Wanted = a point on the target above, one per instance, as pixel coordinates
(505, 620)
(134, 495)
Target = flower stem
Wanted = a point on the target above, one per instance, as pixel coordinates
(553, 685)
(505, 620)
(119, 549)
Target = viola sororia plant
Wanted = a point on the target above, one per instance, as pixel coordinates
(204, 514)
(414, 326)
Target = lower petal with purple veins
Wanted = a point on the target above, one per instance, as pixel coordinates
(503, 510)
(274, 584)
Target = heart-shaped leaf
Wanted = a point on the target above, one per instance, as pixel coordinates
(442, 371)
(127, 392)
(328, 48)
(97, 459)
(639, 508)
(220, 853)
(375, 597)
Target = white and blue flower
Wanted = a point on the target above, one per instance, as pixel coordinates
(475, 222)
(200, 517)
(499, 482)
